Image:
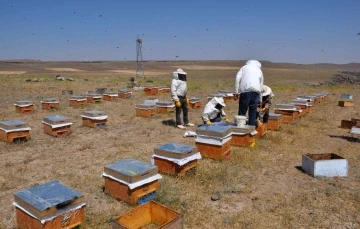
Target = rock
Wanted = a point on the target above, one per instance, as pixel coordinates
(60, 78)
(34, 80)
(41, 80)
(85, 79)
(228, 221)
(215, 197)
(27, 80)
(70, 79)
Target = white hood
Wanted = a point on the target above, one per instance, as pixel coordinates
(210, 112)
(254, 62)
(266, 91)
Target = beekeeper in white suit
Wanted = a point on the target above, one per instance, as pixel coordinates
(214, 111)
(178, 94)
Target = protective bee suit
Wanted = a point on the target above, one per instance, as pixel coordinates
(264, 108)
(178, 94)
(213, 111)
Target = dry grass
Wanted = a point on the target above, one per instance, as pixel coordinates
(64, 69)
(11, 72)
(259, 187)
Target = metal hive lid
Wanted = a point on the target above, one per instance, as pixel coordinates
(285, 106)
(300, 102)
(48, 195)
(93, 95)
(214, 130)
(130, 167)
(78, 97)
(110, 93)
(145, 106)
(23, 102)
(216, 95)
(194, 99)
(13, 123)
(226, 91)
(124, 91)
(175, 148)
(93, 113)
(56, 118)
(165, 103)
(52, 99)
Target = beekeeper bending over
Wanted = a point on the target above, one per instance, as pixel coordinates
(213, 111)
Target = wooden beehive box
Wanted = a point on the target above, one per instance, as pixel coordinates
(77, 101)
(93, 98)
(50, 103)
(243, 135)
(110, 96)
(57, 125)
(348, 124)
(124, 93)
(145, 110)
(149, 215)
(175, 158)
(325, 165)
(214, 141)
(24, 106)
(14, 130)
(275, 121)
(132, 181)
(303, 104)
(163, 90)
(94, 119)
(346, 103)
(289, 111)
(261, 130)
(194, 103)
(306, 98)
(228, 95)
(49, 206)
(151, 90)
(165, 107)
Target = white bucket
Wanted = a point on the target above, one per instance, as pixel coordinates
(240, 120)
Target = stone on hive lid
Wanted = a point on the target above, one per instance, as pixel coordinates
(56, 119)
(13, 124)
(41, 199)
(214, 130)
(130, 170)
(175, 150)
(93, 113)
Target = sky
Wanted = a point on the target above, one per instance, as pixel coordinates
(317, 31)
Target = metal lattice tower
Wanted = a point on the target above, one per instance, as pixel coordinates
(139, 58)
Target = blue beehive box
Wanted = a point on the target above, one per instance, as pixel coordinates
(175, 150)
(130, 170)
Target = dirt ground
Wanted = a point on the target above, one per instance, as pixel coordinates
(260, 187)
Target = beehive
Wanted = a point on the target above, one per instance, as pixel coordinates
(163, 89)
(289, 112)
(243, 135)
(124, 93)
(194, 103)
(77, 101)
(210, 96)
(228, 95)
(303, 104)
(94, 119)
(261, 130)
(110, 96)
(93, 98)
(24, 106)
(165, 107)
(326, 165)
(50, 103)
(214, 141)
(57, 125)
(348, 124)
(150, 214)
(175, 158)
(145, 110)
(149, 90)
(346, 103)
(14, 130)
(306, 98)
(49, 206)
(132, 181)
(274, 122)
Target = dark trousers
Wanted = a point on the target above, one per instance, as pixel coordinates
(184, 108)
(249, 100)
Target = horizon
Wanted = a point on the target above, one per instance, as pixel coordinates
(304, 32)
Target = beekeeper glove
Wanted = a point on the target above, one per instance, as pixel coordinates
(208, 122)
(227, 120)
(178, 104)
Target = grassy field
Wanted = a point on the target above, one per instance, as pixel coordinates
(260, 187)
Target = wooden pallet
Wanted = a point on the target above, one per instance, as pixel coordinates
(147, 216)
(11, 136)
(93, 123)
(24, 110)
(169, 167)
(122, 192)
(67, 220)
(57, 132)
(346, 103)
(215, 151)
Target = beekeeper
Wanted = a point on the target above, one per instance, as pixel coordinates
(248, 84)
(178, 94)
(266, 97)
(214, 111)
